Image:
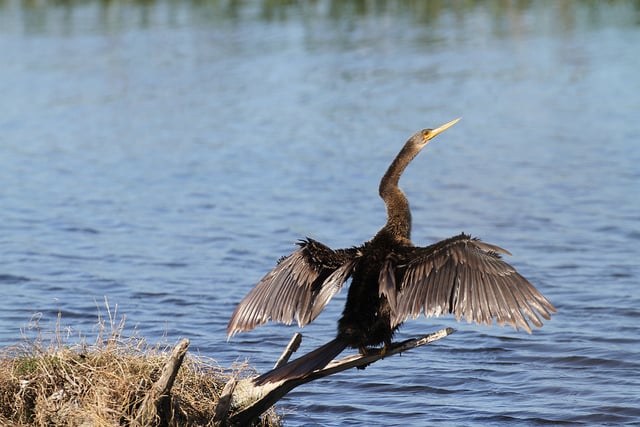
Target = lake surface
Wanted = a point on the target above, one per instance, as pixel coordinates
(163, 155)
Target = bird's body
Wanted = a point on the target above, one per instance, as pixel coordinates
(366, 318)
(391, 280)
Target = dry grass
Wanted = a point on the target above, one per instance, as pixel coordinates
(102, 384)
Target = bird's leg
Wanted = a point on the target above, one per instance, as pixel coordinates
(384, 349)
(381, 351)
(365, 351)
(386, 346)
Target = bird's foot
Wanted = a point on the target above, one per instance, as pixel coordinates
(383, 350)
(365, 351)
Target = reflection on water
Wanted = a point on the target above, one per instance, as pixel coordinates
(165, 154)
(506, 19)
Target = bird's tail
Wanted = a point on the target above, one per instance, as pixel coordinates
(302, 366)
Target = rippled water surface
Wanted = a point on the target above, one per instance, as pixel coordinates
(164, 155)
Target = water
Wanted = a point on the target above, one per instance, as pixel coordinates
(165, 154)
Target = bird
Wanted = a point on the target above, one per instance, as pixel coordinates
(391, 280)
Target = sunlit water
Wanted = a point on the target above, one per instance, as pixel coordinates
(164, 155)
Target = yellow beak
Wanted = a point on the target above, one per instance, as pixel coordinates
(439, 130)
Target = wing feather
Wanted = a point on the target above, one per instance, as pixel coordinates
(387, 282)
(299, 287)
(467, 278)
(329, 288)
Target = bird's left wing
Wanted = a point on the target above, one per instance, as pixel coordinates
(462, 276)
(299, 287)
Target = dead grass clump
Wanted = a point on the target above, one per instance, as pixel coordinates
(103, 384)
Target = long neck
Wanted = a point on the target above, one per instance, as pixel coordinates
(398, 212)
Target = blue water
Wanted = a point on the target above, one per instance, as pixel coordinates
(163, 155)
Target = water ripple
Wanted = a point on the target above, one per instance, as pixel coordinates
(11, 279)
(143, 179)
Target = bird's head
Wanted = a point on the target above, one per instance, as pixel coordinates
(422, 137)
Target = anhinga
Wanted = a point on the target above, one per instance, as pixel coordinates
(391, 280)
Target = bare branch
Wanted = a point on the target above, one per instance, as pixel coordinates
(249, 401)
(152, 406)
(292, 347)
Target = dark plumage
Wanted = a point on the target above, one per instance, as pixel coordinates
(391, 280)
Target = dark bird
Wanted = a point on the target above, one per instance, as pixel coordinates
(391, 280)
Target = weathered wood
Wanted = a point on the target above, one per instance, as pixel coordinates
(224, 402)
(249, 401)
(291, 348)
(156, 401)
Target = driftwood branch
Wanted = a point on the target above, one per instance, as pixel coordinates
(248, 401)
(224, 402)
(291, 348)
(156, 401)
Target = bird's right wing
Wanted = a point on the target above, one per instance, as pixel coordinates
(462, 276)
(299, 287)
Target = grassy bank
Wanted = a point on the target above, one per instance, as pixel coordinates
(51, 383)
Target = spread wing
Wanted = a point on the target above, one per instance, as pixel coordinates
(462, 276)
(299, 287)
